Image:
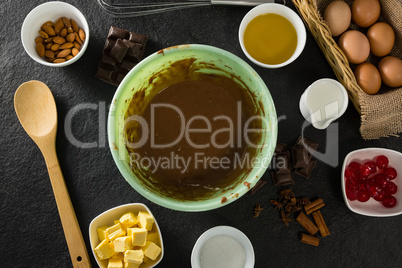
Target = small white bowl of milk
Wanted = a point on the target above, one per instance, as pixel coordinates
(323, 101)
(221, 247)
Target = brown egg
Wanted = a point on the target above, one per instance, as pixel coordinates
(391, 71)
(355, 45)
(381, 37)
(338, 16)
(365, 12)
(368, 77)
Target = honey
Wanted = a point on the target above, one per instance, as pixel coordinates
(270, 39)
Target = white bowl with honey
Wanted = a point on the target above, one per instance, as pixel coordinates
(272, 35)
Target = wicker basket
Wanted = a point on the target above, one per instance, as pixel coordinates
(381, 114)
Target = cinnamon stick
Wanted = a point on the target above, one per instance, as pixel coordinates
(319, 221)
(309, 239)
(315, 205)
(307, 223)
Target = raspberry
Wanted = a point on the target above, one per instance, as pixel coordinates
(382, 161)
(389, 201)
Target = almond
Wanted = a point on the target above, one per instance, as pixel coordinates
(43, 34)
(40, 49)
(74, 51)
(69, 57)
(39, 39)
(67, 45)
(64, 53)
(70, 37)
(59, 40)
(81, 34)
(59, 60)
(70, 30)
(77, 38)
(49, 54)
(77, 46)
(74, 25)
(49, 30)
(48, 23)
(55, 47)
(48, 45)
(49, 40)
(66, 22)
(58, 26)
(63, 32)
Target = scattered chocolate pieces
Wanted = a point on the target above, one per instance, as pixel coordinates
(301, 162)
(122, 51)
(307, 170)
(282, 179)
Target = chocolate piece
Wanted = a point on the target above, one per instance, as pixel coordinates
(306, 142)
(282, 162)
(282, 179)
(300, 156)
(306, 171)
(280, 147)
(122, 51)
(258, 186)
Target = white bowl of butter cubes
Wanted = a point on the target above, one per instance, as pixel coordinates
(126, 236)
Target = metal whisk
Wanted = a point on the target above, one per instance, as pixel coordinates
(134, 8)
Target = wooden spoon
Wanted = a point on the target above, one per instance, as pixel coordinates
(36, 110)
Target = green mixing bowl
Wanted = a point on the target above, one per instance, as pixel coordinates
(224, 63)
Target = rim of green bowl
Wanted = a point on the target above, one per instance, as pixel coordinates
(197, 205)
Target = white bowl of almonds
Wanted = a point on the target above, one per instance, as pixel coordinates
(55, 34)
(126, 236)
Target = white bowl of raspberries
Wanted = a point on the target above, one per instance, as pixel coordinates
(370, 181)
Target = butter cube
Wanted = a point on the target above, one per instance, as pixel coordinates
(151, 250)
(153, 236)
(129, 231)
(131, 265)
(115, 261)
(104, 250)
(139, 236)
(145, 220)
(128, 220)
(115, 231)
(102, 232)
(122, 244)
(134, 256)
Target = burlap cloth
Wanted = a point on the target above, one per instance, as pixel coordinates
(381, 114)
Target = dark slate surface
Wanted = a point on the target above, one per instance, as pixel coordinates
(31, 233)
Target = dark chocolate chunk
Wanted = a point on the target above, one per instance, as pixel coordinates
(306, 171)
(119, 50)
(258, 186)
(122, 51)
(282, 162)
(306, 143)
(280, 147)
(300, 156)
(282, 179)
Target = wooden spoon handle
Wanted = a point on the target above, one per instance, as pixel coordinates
(75, 241)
